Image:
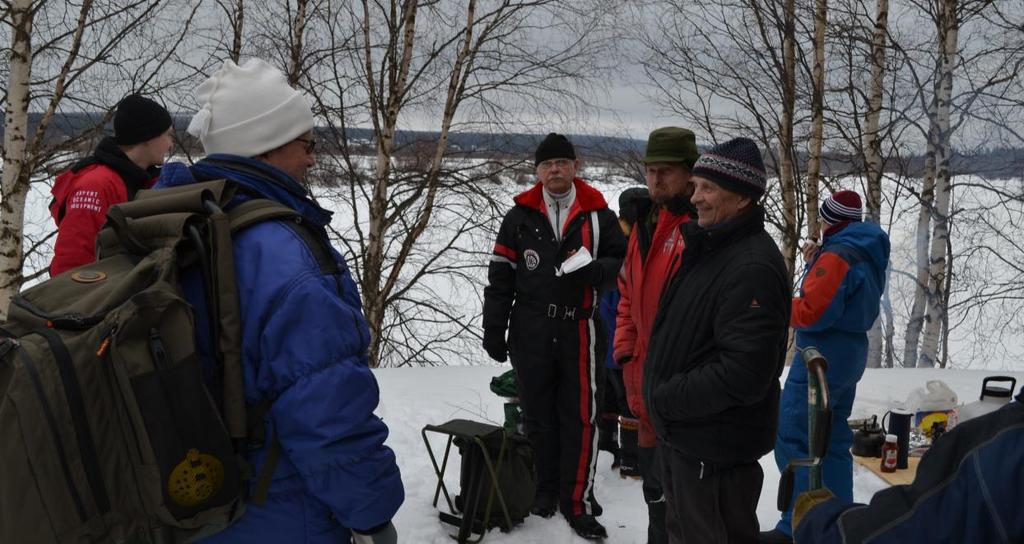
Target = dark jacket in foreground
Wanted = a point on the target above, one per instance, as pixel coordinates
(969, 488)
(711, 382)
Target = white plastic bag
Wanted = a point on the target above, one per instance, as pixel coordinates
(578, 260)
(936, 396)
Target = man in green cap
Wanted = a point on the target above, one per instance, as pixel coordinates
(652, 258)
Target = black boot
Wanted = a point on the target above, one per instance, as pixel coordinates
(656, 531)
(544, 506)
(629, 462)
(587, 527)
(608, 436)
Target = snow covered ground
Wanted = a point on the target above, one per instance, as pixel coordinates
(414, 397)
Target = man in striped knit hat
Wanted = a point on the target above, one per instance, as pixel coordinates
(837, 304)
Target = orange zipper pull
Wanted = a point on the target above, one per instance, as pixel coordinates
(105, 344)
(103, 347)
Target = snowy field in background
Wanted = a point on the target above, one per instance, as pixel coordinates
(414, 397)
(993, 339)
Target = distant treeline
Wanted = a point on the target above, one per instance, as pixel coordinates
(992, 163)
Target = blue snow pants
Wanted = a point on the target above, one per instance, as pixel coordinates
(846, 353)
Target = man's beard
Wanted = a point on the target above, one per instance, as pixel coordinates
(676, 204)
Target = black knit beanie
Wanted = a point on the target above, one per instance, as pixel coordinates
(139, 119)
(736, 166)
(628, 201)
(554, 146)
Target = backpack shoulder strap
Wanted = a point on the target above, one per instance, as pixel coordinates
(256, 210)
(253, 211)
(246, 214)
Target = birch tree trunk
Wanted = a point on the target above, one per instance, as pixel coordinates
(817, 119)
(386, 96)
(915, 323)
(14, 184)
(296, 34)
(873, 156)
(873, 143)
(787, 170)
(235, 12)
(936, 291)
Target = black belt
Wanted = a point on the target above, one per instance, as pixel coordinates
(554, 311)
(557, 311)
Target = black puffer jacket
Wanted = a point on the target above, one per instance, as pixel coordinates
(711, 382)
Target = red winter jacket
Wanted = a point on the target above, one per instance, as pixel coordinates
(79, 208)
(651, 261)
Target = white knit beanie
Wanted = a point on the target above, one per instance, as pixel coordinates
(248, 110)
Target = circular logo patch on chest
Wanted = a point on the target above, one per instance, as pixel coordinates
(532, 259)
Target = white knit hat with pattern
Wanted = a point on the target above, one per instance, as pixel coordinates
(248, 110)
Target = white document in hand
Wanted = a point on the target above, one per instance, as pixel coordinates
(578, 260)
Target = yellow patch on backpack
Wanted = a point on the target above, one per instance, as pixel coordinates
(196, 479)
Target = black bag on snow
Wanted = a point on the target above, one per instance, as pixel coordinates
(516, 479)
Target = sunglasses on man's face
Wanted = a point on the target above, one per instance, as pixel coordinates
(310, 144)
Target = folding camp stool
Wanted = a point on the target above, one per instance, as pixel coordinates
(476, 434)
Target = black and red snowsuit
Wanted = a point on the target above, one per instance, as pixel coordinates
(552, 340)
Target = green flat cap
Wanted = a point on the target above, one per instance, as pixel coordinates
(672, 144)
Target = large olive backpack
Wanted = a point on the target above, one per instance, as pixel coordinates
(108, 429)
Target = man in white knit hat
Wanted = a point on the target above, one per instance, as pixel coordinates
(304, 337)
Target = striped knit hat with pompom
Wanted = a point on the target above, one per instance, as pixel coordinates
(841, 206)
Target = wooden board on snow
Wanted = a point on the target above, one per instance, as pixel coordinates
(900, 477)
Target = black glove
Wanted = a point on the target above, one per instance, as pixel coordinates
(385, 534)
(495, 345)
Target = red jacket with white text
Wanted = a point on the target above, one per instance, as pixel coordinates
(652, 259)
(81, 197)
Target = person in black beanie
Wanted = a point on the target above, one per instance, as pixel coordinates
(718, 346)
(549, 315)
(118, 167)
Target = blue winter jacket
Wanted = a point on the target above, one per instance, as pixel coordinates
(969, 488)
(845, 281)
(304, 341)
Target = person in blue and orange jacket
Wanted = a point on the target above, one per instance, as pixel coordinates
(838, 302)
